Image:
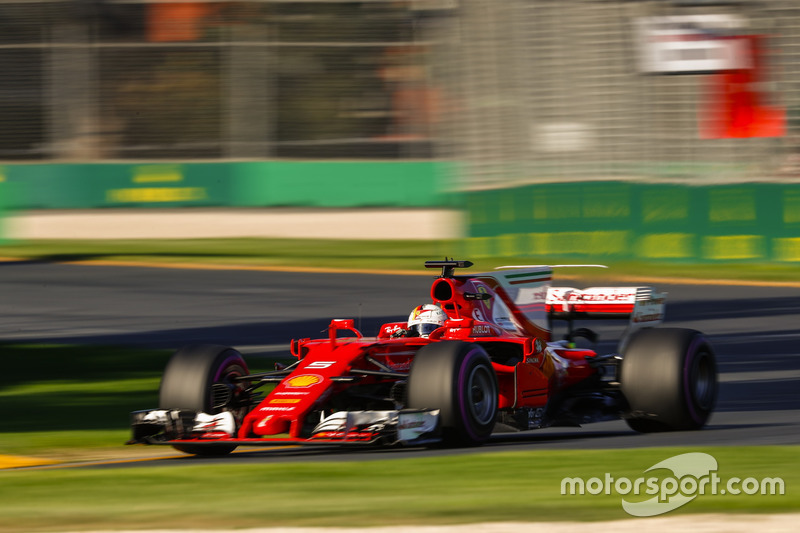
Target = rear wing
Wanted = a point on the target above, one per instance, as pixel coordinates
(641, 306)
(603, 302)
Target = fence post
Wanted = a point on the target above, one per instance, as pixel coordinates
(74, 132)
(250, 113)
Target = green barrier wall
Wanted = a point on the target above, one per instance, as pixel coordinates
(743, 222)
(3, 201)
(621, 220)
(265, 183)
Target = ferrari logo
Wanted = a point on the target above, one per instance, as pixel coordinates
(482, 290)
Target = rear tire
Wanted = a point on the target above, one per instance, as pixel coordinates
(458, 379)
(669, 378)
(188, 381)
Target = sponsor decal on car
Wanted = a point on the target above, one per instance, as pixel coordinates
(264, 422)
(412, 425)
(651, 310)
(533, 295)
(481, 330)
(400, 367)
(303, 381)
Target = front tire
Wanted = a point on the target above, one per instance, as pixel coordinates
(669, 378)
(188, 383)
(458, 379)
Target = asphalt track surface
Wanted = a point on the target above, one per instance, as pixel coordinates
(755, 332)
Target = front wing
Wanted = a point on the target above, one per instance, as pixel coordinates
(180, 426)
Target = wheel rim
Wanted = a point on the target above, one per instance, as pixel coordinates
(237, 390)
(482, 395)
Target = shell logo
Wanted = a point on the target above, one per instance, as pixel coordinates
(305, 380)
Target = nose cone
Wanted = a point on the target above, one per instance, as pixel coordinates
(271, 425)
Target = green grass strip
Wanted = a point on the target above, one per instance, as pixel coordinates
(403, 255)
(479, 487)
(74, 402)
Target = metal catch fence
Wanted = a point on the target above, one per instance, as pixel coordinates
(519, 91)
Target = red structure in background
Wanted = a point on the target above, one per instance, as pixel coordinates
(738, 106)
(416, 105)
(177, 22)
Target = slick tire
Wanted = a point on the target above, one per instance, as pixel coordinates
(669, 379)
(458, 379)
(188, 382)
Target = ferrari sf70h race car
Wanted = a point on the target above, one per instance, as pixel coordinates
(492, 362)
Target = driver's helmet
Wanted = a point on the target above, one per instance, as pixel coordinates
(424, 319)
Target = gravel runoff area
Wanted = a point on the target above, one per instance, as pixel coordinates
(696, 523)
(195, 222)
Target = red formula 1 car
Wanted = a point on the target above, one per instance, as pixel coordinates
(492, 361)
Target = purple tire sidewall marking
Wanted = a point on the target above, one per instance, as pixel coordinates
(221, 368)
(688, 391)
(463, 372)
(218, 375)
